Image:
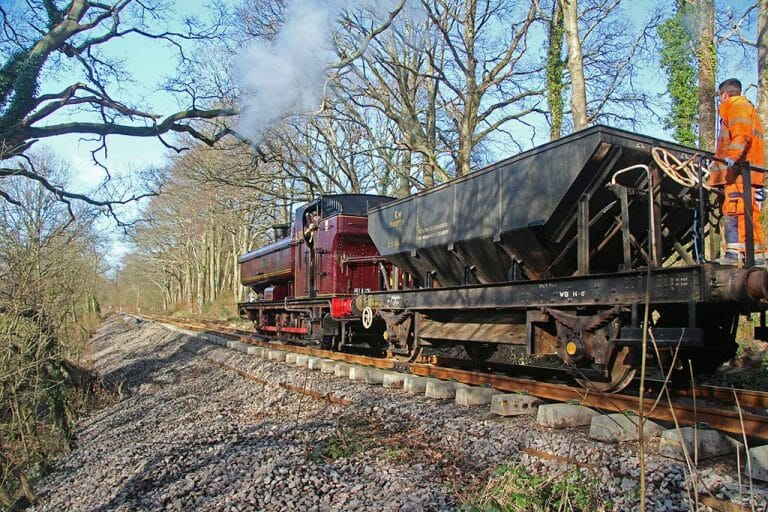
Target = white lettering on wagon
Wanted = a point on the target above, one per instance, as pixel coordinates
(434, 231)
(571, 294)
(673, 282)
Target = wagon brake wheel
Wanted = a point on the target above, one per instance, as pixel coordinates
(620, 373)
(367, 317)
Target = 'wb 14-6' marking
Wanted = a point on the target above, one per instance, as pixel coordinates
(571, 294)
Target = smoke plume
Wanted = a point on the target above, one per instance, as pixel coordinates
(286, 74)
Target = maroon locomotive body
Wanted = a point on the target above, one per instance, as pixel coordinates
(303, 283)
(269, 270)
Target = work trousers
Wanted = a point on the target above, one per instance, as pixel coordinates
(734, 220)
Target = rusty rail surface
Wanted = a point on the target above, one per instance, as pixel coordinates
(725, 418)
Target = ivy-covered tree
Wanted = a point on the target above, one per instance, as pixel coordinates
(677, 61)
(762, 63)
(705, 51)
(555, 71)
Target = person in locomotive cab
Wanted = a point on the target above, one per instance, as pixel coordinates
(311, 224)
(740, 138)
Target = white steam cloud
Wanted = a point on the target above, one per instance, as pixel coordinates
(287, 74)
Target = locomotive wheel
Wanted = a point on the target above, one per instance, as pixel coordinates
(480, 352)
(620, 374)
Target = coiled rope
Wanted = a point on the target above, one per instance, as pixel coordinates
(684, 173)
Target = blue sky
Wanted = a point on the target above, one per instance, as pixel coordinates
(149, 62)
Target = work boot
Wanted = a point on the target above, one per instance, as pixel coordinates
(731, 258)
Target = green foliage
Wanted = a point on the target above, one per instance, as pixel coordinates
(677, 61)
(555, 70)
(341, 444)
(513, 489)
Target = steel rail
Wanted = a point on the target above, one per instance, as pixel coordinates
(699, 413)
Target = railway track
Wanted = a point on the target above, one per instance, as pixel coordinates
(712, 406)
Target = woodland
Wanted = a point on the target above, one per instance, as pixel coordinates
(269, 104)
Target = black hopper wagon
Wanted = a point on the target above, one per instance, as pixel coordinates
(584, 248)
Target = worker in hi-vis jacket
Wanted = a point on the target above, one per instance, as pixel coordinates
(740, 138)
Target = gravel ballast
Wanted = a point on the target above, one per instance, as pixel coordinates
(190, 432)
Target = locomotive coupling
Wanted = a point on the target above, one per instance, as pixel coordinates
(748, 285)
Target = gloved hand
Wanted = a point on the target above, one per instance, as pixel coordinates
(729, 161)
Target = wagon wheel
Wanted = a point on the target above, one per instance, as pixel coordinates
(412, 351)
(620, 373)
(410, 357)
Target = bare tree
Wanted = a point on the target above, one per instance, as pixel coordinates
(570, 10)
(397, 78)
(185, 255)
(706, 57)
(49, 276)
(486, 83)
(42, 39)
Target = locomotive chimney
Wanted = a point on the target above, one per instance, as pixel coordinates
(280, 230)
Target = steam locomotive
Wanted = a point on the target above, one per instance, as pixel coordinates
(585, 248)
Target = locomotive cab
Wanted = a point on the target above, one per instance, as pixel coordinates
(334, 254)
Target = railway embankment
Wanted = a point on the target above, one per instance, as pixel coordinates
(202, 427)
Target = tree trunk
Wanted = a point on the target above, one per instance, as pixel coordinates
(762, 65)
(555, 66)
(431, 168)
(468, 121)
(404, 173)
(237, 244)
(213, 276)
(188, 279)
(706, 55)
(575, 64)
(200, 289)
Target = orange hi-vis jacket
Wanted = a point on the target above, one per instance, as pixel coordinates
(740, 138)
